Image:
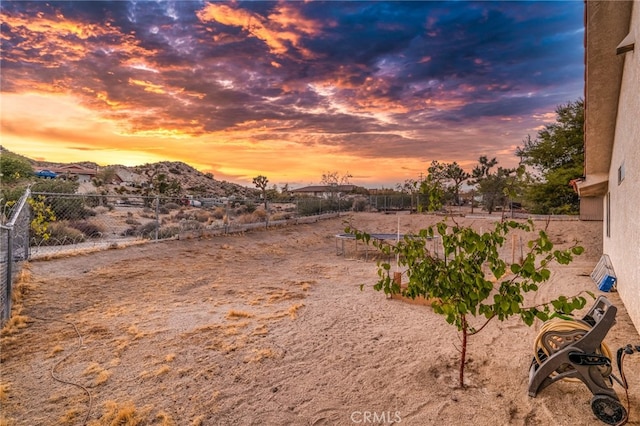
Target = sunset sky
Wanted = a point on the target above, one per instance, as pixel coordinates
(289, 90)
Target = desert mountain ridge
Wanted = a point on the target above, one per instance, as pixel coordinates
(192, 181)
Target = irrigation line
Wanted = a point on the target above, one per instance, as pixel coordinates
(58, 379)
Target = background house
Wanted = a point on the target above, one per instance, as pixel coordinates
(324, 191)
(74, 172)
(612, 137)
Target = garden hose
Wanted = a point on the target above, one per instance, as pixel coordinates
(563, 332)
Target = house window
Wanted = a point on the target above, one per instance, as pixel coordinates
(608, 223)
(621, 173)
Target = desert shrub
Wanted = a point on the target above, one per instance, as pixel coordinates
(218, 213)
(250, 207)
(202, 216)
(131, 221)
(129, 232)
(167, 232)
(61, 234)
(89, 229)
(171, 206)
(92, 200)
(190, 225)
(281, 216)
(241, 210)
(68, 207)
(309, 206)
(245, 218)
(260, 215)
(359, 205)
(148, 230)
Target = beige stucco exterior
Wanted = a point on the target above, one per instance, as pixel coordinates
(612, 137)
(622, 242)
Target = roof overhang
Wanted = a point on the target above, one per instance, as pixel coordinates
(595, 185)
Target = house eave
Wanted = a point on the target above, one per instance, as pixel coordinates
(593, 186)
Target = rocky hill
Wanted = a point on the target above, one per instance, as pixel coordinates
(116, 178)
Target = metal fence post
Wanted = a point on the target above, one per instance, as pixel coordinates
(157, 216)
(9, 284)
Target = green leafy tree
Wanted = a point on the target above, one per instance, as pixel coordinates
(557, 156)
(460, 282)
(14, 168)
(261, 183)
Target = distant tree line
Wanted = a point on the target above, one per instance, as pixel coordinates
(541, 183)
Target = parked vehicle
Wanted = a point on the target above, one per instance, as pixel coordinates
(46, 174)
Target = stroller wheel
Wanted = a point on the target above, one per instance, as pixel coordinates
(608, 409)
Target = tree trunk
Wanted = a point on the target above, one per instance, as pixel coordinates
(463, 354)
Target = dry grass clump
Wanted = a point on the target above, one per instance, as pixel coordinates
(4, 391)
(233, 314)
(5, 421)
(165, 419)
(293, 310)
(260, 354)
(56, 350)
(101, 375)
(163, 370)
(134, 332)
(125, 414)
(70, 417)
(15, 323)
(21, 287)
(284, 295)
(261, 330)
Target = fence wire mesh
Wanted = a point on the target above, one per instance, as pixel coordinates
(75, 222)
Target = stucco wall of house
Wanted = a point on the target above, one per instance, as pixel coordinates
(622, 242)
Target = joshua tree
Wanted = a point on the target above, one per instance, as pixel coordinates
(261, 183)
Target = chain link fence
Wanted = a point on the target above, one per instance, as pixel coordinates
(14, 249)
(74, 222)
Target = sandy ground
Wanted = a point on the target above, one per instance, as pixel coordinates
(271, 328)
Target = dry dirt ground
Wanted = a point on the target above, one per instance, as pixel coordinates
(271, 328)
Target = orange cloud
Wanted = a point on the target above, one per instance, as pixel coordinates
(148, 87)
(279, 32)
